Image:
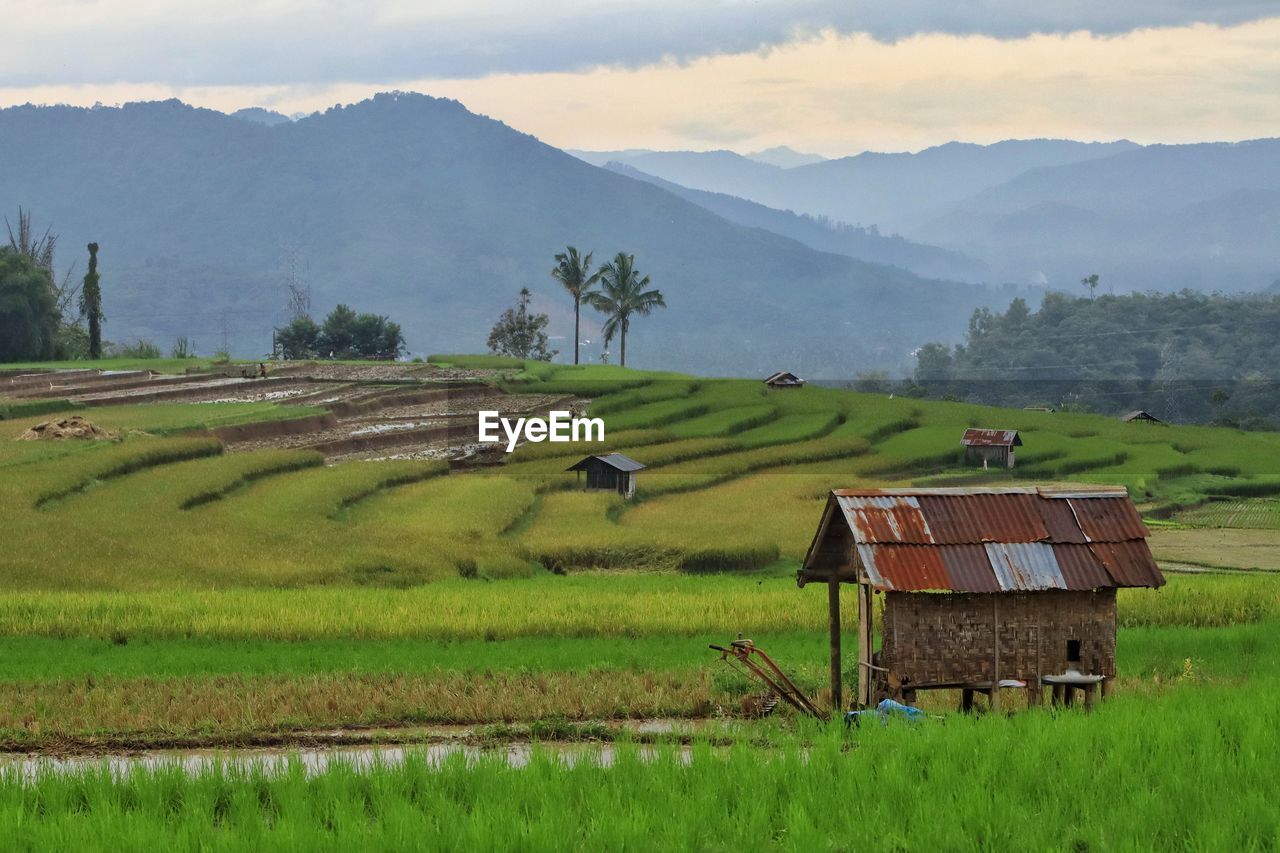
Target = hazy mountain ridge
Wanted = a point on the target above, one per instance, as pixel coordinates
(414, 207)
(892, 190)
(827, 236)
(1163, 217)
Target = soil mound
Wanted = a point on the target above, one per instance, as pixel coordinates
(72, 427)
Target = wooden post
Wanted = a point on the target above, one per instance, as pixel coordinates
(866, 645)
(833, 614)
(995, 647)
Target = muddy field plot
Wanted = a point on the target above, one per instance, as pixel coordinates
(433, 429)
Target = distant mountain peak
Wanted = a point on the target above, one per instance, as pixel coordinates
(784, 156)
(260, 115)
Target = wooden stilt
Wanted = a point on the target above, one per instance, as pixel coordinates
(833, 615)
(866, 647)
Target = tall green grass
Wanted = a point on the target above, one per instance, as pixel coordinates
(1194, 771)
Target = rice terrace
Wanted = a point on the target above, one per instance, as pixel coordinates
(634, 425)
(237, 573)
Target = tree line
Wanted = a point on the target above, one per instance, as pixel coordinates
(616, 289)
(1187, 357)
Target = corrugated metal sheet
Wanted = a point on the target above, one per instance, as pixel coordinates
(879, 518)
(1129, 563)
(1025, 566)
(991, 438)
(975, 518)
(988, 540)
(1060, 521)
(1108, 519)
(1081, 568)
(905, 567)
(969, 568)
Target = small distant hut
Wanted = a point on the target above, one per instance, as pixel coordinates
(1141, 415)
(990, 447)
(783, 379)
(612, 472)
(980, 585)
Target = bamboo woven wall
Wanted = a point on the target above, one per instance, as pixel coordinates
(947, 638)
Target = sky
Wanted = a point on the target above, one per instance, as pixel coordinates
(829, 76)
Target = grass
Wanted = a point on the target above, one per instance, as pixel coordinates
(1194, 773)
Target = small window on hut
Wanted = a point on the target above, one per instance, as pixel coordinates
(1073, 651)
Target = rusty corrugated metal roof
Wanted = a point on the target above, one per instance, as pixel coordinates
(956, 519)
(969, 568)
(877, 518)
(905, 567)
(994, 539)
(1128, 563)
(991, 438)
(1108, 519)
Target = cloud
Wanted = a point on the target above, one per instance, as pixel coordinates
(296, 42)
(839, 94)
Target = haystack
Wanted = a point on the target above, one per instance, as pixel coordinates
(72, 427)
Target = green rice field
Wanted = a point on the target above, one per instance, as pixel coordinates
(159, 591)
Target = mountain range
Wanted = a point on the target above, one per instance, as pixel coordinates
(1157, 217)
(414, 207)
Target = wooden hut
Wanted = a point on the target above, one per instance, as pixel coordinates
(980, 585)
(612, 472)
(990, 447)
(783, 379)
(1140, 415)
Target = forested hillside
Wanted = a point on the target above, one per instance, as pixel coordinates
(415, 208)
(1184, 357)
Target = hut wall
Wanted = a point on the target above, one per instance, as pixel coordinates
(996, 456)
(947, 638)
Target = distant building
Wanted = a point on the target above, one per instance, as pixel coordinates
(983, 588)
(1141, 415)
(611, 472)
(783, 379)
(990, 447)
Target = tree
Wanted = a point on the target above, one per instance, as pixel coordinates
(574, 272)
(521, 334)
(622, 293)
(346, 334)
(28, 309)
(91, 304)
(40, 250)
(873, 382)
(1091, 282)
(299, 339)
(933, 363)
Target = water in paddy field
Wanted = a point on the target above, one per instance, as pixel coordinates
(31, 766)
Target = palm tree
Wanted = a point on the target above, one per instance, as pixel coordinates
(622, 293)
(575, 274)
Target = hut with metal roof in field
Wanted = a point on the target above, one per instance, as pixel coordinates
(784, 379)
(1140, 416)
(990, 447)
(611, 472)
(983, 587)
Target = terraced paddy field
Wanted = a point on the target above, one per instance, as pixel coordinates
(159, 590)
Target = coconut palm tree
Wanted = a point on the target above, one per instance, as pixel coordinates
(622, 293)
(574, 272)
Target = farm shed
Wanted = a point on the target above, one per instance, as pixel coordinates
(611, 472)
(1141, 415)
(979, 584)
(990, 446)
(783, 379)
